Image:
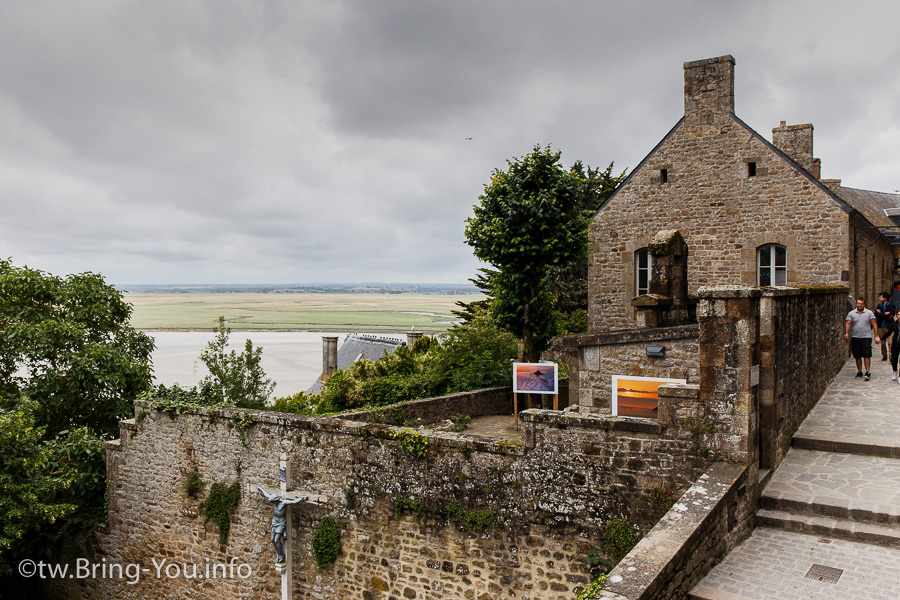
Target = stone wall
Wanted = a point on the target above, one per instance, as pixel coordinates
(553, 494)
(600, 356)
(712, 517)
(480, 403)
(801, 350)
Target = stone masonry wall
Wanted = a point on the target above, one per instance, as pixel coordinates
(624, 353)
(491, 401)
(802, 349)
(554, 494)
(723, 214)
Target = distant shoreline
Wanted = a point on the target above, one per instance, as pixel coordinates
(288, 330)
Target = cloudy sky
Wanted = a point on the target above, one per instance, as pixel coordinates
(290, 141)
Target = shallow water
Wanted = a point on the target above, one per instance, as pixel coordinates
(293, 359)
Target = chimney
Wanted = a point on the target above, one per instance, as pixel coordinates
(797, 142)
(329, 356)
(412, 337)
(708, 90)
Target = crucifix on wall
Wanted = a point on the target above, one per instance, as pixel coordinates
(281, 499)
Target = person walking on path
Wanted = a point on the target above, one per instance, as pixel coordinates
(895, 348)
(861, 323)
(884, 314)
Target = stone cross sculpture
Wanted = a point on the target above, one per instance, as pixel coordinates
(279, 521)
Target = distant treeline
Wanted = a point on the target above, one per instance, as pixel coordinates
(311, 288)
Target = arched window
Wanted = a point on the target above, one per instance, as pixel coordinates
(642, 263)
(771, 265)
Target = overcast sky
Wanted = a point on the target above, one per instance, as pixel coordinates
(295, 141)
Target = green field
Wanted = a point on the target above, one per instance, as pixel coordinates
(316, 312)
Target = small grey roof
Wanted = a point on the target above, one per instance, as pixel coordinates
(877, 207)
(357, 346)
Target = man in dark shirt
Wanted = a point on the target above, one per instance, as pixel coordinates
(884, 314)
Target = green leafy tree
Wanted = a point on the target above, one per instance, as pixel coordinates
(234, 379)
(529, 219)
(32, 497)
(66, 344)
(70, 367)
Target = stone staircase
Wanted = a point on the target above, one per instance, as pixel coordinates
(831, 509)
(835, 495)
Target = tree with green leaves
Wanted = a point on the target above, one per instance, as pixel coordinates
(530, 219)
(70, 368)
(234, 379)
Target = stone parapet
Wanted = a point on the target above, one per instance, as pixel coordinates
(711, 518)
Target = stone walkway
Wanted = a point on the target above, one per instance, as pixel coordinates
(832, 506)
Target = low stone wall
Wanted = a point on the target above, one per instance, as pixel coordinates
(600, 356)
(551, 496)
(710, 519)
(480, 403)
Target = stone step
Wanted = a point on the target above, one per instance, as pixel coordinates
(702, 592)
(852, 511)
(850, 487)
(883, 447)
(827, 527)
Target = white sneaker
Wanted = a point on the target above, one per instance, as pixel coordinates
(894, 376)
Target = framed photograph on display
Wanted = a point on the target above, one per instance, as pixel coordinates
(535, 378)
(637, 396)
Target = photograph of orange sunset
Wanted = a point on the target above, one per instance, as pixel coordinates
(636, 396)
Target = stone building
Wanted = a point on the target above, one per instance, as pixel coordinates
(750, 212)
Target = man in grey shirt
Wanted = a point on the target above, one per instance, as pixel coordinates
(859, 327)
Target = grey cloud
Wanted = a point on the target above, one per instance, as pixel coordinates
(270, 141)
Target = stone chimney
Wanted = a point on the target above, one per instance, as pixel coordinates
(412, 337)
(797, 142)
(329, 356)
(708, 90)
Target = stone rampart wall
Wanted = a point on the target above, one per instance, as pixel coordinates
(801, 350)
(553, 494)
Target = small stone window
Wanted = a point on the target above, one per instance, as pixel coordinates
(751, 169)
(771, 265)
(642, 264)
(664, 176)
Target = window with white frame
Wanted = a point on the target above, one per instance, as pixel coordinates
(642, 263)
(771, 265)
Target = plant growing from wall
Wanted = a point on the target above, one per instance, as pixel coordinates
(460, 422)
(596, 565)
(402, 504)
(350, 496)
(192, 483)
(219, 505)
(412, 441)
(473, 520)
(326, 543)
(592, 592)
(242, 423)
(619, 538)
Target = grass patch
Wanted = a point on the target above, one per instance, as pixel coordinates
(318, 312)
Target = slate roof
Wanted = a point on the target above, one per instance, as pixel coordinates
(879, 208)
(357, 346)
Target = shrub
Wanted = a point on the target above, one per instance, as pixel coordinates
(619, 538)
(326, 543)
